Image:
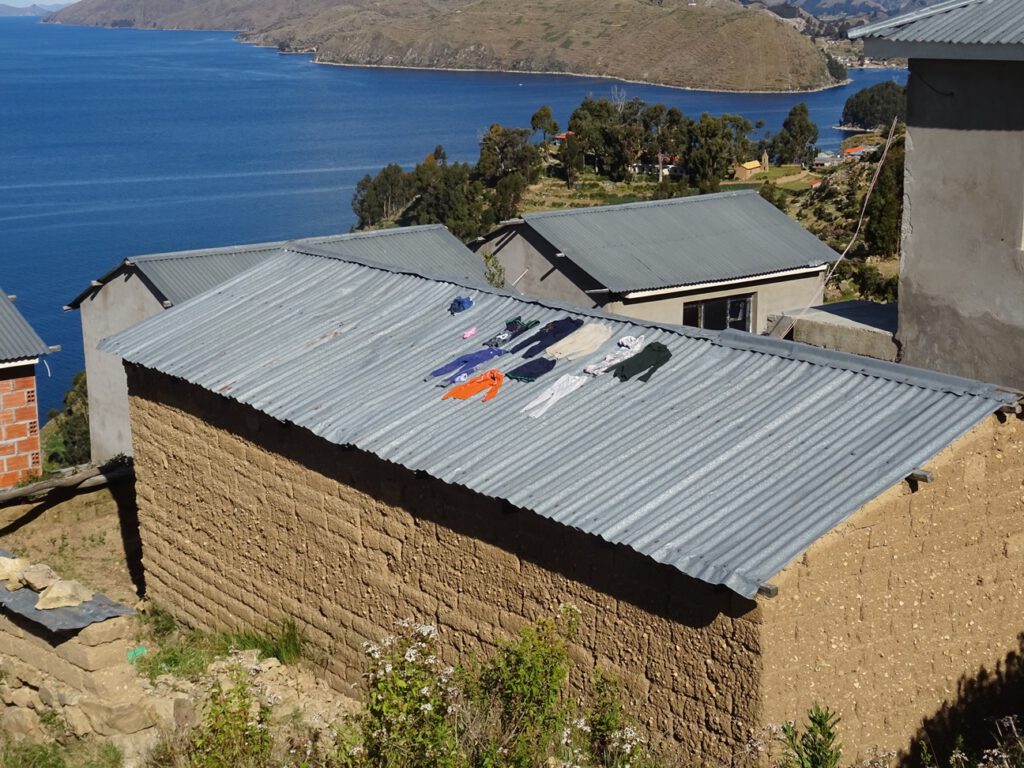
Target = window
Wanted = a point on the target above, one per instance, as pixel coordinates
(719, 314)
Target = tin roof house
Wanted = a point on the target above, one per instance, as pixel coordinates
(142, 286)
(746, 524)
(727, 260)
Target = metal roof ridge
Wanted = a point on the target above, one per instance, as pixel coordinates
(638, 204)
(908, 18)
(732, 339)
(204, 252)
(360, 234)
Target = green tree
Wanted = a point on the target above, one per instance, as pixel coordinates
(508, 193)
(592, 123)
(876, 106)
(544, 123)
(451, 197)
(383, 196)
(570, 155)
(795, 143)
(504, 151)
(715, 143)
(882, 229)
(69, 443)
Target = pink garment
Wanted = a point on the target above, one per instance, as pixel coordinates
(470, 333)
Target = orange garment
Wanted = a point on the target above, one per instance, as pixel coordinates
(491, 381)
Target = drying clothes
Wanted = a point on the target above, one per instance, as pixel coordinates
(653, 356)
(566, 385)
(532, 370)
(460, 304)
(581, 343)
(491, 381)
(628, 346)
(470, 333)
(513, 328)
(467, 363)
(548, 335)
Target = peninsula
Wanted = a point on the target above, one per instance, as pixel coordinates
(706, 44)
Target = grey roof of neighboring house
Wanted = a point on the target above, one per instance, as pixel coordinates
(178, 276)
(737, 455)
(971, 25)
(17, 339)
(683, 241)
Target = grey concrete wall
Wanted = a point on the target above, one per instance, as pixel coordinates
(547, 276)
(771, 297)
(962, 268)
(121, 303)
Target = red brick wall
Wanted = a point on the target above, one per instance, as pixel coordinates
(19, 425)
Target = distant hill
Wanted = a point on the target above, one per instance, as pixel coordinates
(713, 44)
(831, 9)
(31, 10)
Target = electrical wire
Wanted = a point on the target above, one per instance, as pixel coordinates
(856, 233)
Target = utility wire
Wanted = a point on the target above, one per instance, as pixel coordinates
(792, 319)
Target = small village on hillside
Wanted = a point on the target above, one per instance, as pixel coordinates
(614, 450)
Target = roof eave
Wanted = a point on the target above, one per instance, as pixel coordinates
(883, 48)
(643, 293)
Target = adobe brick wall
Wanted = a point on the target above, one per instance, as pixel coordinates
(245, 520)
(883, 617)
(19, 425)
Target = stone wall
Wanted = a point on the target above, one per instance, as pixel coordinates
(84, 678)
(19, 425)
(245, 520)
(886, 616)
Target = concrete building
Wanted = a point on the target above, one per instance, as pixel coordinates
(20, 350)
(962, 263)
(143, 286)
(718, 261)
(738, 531)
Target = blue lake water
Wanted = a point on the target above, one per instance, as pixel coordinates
(118, 142)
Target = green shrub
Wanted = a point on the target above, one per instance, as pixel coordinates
(507, 711)
(406, 722)
(233, 733)
(817, 746)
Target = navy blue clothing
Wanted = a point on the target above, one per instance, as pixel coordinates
(460, 304)
(532, 370)
(548, 335)
(467, 363)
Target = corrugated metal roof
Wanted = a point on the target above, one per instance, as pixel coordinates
(666, 243)
(181, 275)
(17, 339)
(957, 22)
(727, 464)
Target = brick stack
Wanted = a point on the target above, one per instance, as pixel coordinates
(19, 426)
